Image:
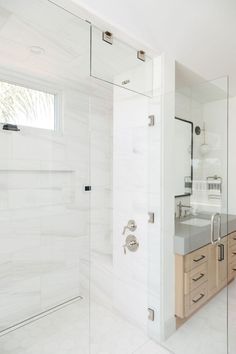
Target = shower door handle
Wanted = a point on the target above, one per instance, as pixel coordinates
(214, 216)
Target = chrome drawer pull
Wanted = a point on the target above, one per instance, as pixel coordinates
(200, 297)
(199, 259)
(198, 278)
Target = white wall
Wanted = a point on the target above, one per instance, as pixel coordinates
(130, 201)
(214, 114)
(189, 109)
(215, 162)
(101, 171)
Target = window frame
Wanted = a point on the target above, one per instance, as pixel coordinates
(41, 86)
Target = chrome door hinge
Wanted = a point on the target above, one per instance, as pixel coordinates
(151, 314)
(141, 55)
(151, 120)
(151, 219)
(107, 37)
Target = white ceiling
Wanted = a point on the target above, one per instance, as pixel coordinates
(64, 40)
(200, 34)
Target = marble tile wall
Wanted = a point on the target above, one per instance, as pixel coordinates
(130, 201)
(44, 213)
(101, 155)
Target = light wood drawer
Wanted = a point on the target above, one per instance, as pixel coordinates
(232, 254)
(195, 278)
(232, 271)
(196, 298)
(196, 258)
(232, 239)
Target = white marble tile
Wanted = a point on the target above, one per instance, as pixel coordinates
(208, 325)
(67, 331)
(44, 213)
(152, 348)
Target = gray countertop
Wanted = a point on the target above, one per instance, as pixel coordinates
(189, 238)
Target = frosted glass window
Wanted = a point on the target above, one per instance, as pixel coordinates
(27, 107)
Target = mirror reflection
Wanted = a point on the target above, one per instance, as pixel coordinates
(183, 157)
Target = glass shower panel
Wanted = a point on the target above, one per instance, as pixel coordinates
(119, 204)
(202, 231)
(120, 64)
(44, 168)
(232, 228)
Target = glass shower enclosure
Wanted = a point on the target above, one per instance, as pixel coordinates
(73, 173)
(81, 186)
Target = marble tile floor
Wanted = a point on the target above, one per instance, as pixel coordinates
(206, 331)
(66, 331)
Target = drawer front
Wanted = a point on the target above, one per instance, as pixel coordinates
(232, 239)
(195, 278)
(196, 258)
(196, 298)
(232, 271)
(232, 254)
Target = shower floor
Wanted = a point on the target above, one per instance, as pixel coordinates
(66, 331)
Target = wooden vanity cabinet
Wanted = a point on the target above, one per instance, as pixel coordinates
(222, 265)
(203, 273)
(232, 256)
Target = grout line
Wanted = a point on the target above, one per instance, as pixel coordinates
(157, 344)
(141, 346)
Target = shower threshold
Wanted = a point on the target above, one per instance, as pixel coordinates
(40, 315)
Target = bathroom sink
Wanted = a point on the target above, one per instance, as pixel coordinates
(196, 222)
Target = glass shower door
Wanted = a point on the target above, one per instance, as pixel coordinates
(44, 177)
(119, 198)
(202, 225)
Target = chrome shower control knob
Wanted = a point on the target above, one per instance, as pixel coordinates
(131, 243)
(131, 226)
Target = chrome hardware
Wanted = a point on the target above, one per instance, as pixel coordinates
(199, 298)
(151, 314)
(131, 244)
(181, 206)
(151, 120)
(151, 218)
(131, 226)
(213, 218)
(107, 37)
(125, 82)
(222, 252)
(141, 55)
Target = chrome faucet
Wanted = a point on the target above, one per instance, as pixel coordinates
(181, 206)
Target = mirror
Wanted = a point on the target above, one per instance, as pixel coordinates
(183, 157)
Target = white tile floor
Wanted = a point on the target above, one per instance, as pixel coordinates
(67, 332)
(206, 331)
